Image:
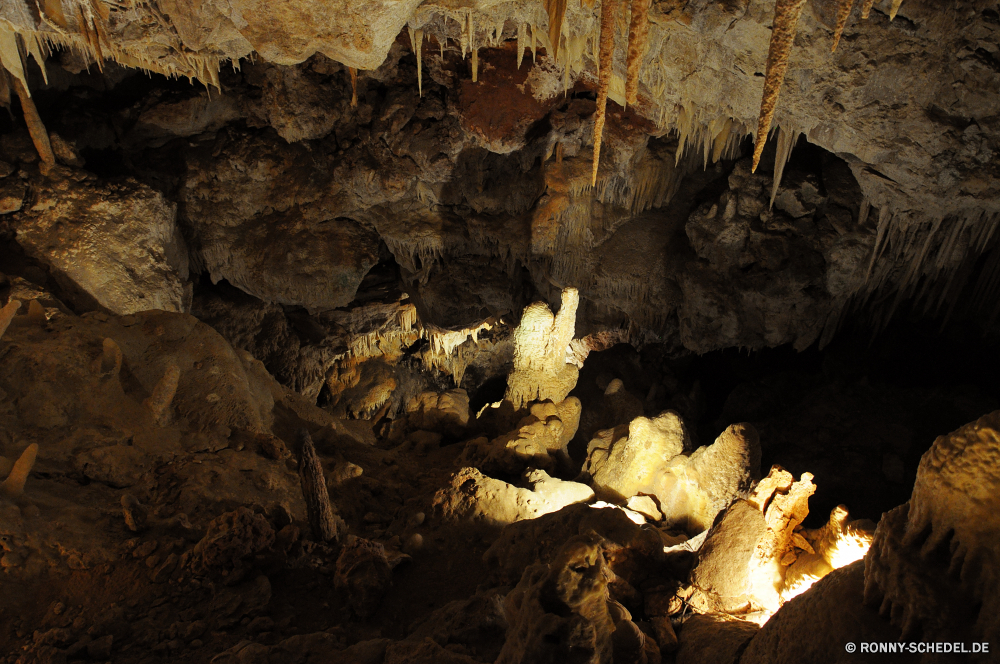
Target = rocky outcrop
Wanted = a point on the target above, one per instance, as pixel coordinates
(541, 370)
(472, 496)
(117, 246)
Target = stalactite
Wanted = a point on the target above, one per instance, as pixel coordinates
(786, 17)
(894, 9)
(556, 10)
(786, 142)
(39, 136)
(638, 34)
(419, 34)
(520, 44)
(867, 8)
(475, 64)
(604, 77)
(534, 43)
(354, 86)
(843, 13)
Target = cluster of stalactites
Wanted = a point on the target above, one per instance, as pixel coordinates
(786, 18)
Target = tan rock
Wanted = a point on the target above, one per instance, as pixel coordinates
(540, 349)
(472, 496)
(635, 464)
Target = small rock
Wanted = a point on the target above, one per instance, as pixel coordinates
(163, 572)
(260, 624)
(195, 630)
(101, 648)
(135, 513)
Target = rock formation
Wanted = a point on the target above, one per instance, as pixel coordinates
(424, 332)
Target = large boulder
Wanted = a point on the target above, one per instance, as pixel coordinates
(117, 244)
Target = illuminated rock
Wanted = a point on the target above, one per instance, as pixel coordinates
(934, 565)
(690, 490)
(445, 411)
(540, 440)
(559, 611)
(123, 247)
(622, 467)
(541, 345)
(742, 563)
(472, 496)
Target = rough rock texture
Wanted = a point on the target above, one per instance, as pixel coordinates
(689, 490)
(771, 275)
(560, 611)
(835, 602)
(229, 540)
(949, 525)
(363, 574)
(541, 370)
(475, 497)
(540, 440)
(117, 245)
(625, 466)
(713, 638)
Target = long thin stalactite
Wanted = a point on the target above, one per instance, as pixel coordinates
(606, 59)
(786, 17)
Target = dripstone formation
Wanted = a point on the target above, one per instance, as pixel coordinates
(497, 333)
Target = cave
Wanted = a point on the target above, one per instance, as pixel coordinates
(507, 332)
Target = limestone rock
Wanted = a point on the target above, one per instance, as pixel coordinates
(229, 544)
(540, 348)
(285, 259)
(540, 440)
(363, 574)
(835, 602)
(472, 496)
(697, 488)
(446, 411)
(743, 562)
(635, 464)
(118, 244)
(559, 611)
(726, 561)
(938, 546)
(689, 490)
(714, 638)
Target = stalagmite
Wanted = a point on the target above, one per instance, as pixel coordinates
(786, 16)
(110, 361)
(556, 10)
(36, 313)
(894, 9)
(322, 520)
(843, 13)
(638, 33)
(163, 393)
(36, 129)
(604, 78)
(867, 8)
(354, 86)
(7, 315)
(13, 486)
(541, 342)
